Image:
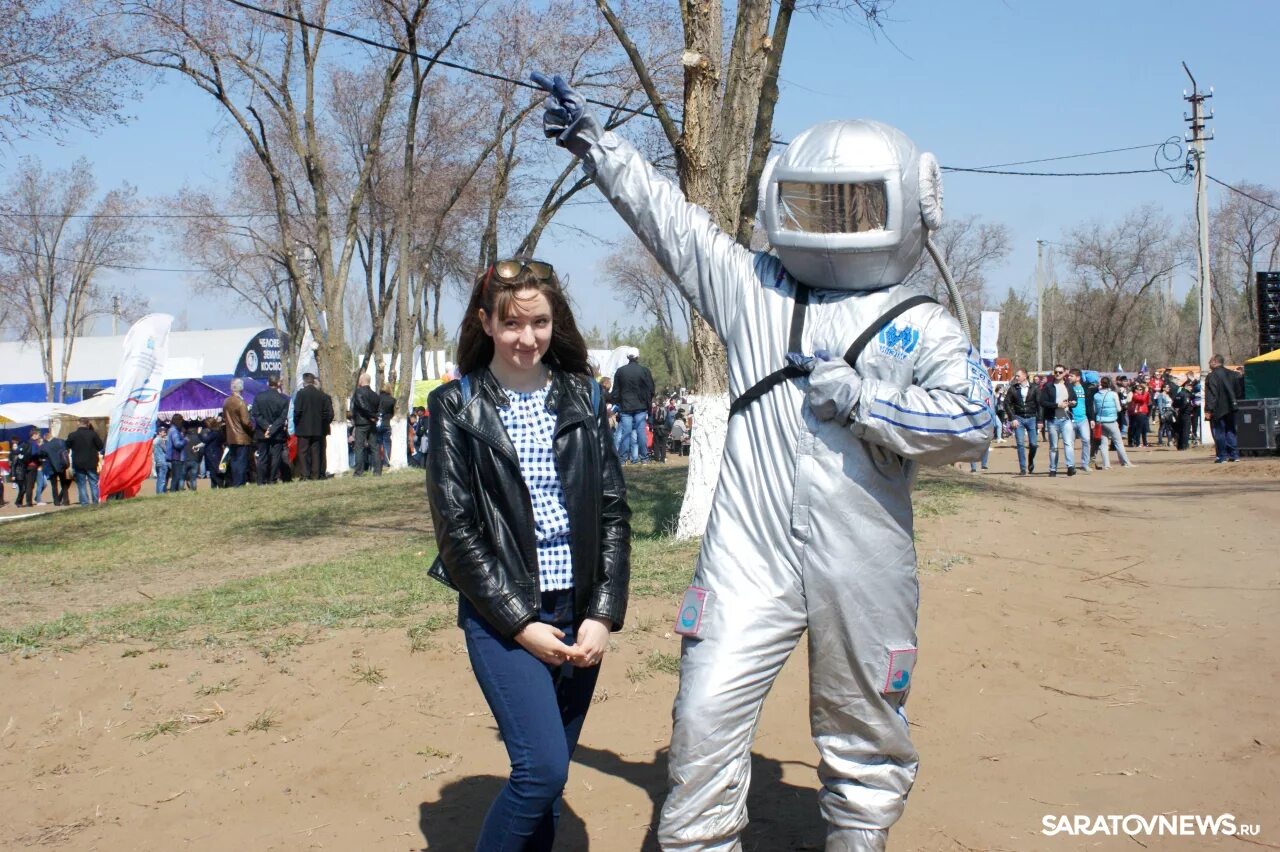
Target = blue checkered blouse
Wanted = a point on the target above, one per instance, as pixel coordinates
(531, 428)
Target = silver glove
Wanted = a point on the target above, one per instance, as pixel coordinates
(834, 387)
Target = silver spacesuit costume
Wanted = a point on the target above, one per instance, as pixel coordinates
(811, 526)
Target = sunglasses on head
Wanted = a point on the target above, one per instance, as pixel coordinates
(509, 270)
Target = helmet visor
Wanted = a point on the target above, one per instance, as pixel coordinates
(833, 208)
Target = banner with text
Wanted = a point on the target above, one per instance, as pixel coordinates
(988, 337)
(127, 461)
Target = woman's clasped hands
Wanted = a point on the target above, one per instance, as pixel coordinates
(546, 642)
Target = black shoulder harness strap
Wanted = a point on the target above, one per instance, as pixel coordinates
(791, 371)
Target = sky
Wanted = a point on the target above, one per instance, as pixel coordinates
(979, 82)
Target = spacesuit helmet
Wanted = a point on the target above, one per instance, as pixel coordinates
(847, 205)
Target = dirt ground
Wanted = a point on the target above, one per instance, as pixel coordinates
(1104, 644)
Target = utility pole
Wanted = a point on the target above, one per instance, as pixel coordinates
(1039, 306)
(115, 313)
(1196, 136)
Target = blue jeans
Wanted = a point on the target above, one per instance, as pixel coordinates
(1061, 430)
(162, 478)
(539, 710)
(1224, 439)
(1082, 430)
(238, 463)
(1024, 432)
(631, 433)
(41, 482)
(87, 487)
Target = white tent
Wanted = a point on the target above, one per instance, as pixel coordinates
(38, 414)
(97, 406)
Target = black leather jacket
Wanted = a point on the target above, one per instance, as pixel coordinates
(1014, 405)
(482, 512)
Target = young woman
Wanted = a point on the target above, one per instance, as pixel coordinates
(1107, 407)
(531, 519)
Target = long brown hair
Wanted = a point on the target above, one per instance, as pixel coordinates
(567, 350)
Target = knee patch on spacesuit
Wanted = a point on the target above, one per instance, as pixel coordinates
(899, 672)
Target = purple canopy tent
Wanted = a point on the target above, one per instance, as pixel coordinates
(193, 399)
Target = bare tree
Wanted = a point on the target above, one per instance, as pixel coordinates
(265, 73)
(642, 284)
(1113, 281)
(971, 248)
(1246, 230)
(55, 241)
(56, 70)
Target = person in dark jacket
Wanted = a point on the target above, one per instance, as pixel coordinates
(57, 467)
(530, 514)
(1022, 410)
(25, 464)
(177, 451)
(1220, 403)
(312, 414)
(269, 413)
(214, 441)
(633, 394)
(86, 450)
(386, 411)
(364, 420)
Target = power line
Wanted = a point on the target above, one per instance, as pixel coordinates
(1064, 174)
(435, 58)
(1068, 156)
(1242, 192)
(215, 215)
(102, 265)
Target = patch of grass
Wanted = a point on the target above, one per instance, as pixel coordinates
(420, 634)
(265, 721)
(363, 590)
(168, 726)
(665, 663)
(219, 687)
(369, 674)
(432, 751)
(154, 666)
(938, 493)
(654, 493)
(374, 585)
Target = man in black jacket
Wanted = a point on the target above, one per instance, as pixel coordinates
(57, 463)
(269, 413)
(85, 446)
(1022, 409)
(633, 394)
(386, 410)
(1221, 398)
(312, 414)
(364, 420)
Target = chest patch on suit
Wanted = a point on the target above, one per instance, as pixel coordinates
(898, 341)
(979, 381)
(902, 665)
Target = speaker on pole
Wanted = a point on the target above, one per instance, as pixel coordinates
(1268, 287)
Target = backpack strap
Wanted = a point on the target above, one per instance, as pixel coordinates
(464, 383)
(852, 353)
(790, 371)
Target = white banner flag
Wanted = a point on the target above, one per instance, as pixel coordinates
(127, 458)
(990, 334)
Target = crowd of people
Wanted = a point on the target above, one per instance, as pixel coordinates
(1085, 416)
